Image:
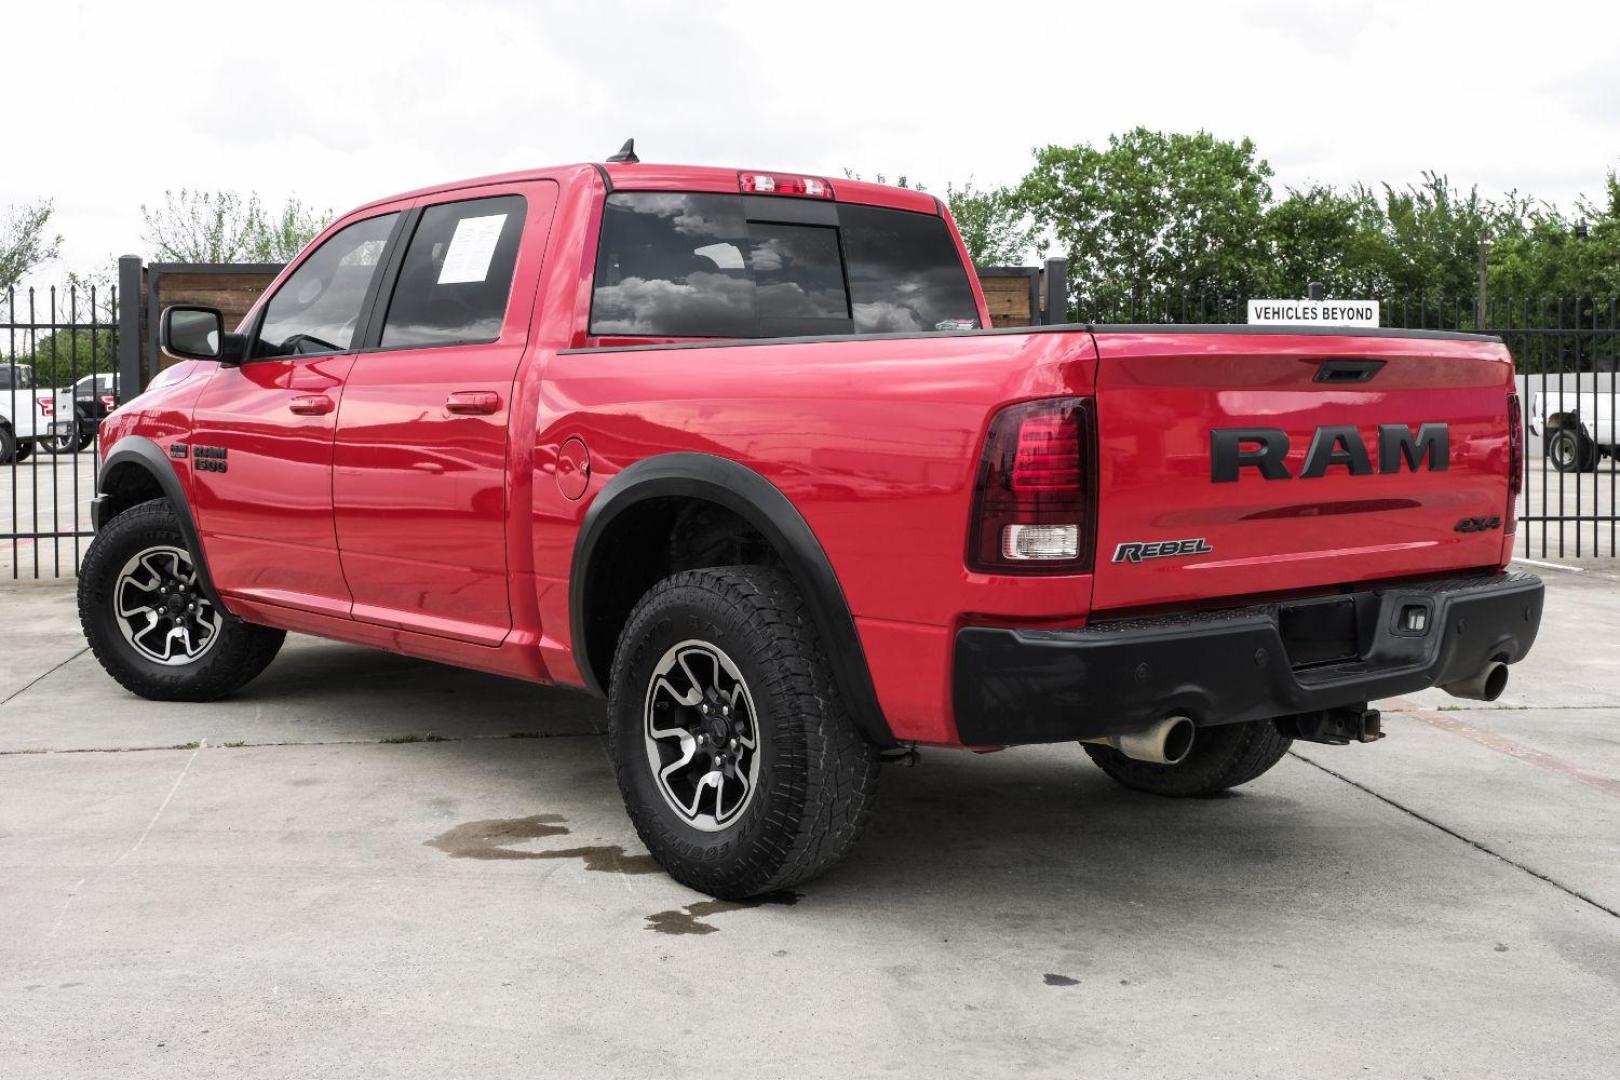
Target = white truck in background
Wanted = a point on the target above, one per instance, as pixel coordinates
(20, 413)
(1576, 426)
(71, 416)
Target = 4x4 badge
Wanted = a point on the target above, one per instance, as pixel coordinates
(1479, 524)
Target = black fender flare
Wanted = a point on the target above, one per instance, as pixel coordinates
(137, 451)
(757, 501)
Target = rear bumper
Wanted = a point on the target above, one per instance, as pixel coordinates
(1031, 686)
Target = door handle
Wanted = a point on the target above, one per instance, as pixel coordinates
(473, 402)
(311, 405)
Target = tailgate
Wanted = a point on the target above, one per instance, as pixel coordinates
(1241, 463)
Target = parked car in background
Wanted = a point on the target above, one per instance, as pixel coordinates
(1578, 425)
(19, 412)
(72, 415)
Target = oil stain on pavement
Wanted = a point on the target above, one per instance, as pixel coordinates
(493, 839)
(497, 839)
(689, 919)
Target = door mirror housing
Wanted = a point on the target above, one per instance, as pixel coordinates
(198, 333)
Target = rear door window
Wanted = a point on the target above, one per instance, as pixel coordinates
(457, 275)
(724, 266)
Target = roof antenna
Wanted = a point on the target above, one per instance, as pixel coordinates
(627, 153)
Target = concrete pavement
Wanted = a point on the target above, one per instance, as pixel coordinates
(370, 866)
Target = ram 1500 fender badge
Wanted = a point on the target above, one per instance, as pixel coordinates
(1480, 524)
(210, 459)
(1161, 549)
(1266, 450)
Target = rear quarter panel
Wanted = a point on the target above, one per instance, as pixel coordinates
(875, 442)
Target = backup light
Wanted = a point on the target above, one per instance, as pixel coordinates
(1035, 500)
(810, 187)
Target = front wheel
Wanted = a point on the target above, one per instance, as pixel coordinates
(740, 768)
(149, 622)
(1221, 757)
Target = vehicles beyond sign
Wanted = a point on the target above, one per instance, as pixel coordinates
(1313, 312)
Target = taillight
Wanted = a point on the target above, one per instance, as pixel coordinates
(1515, 460)
(47, 406)
(1035, 502)
(109, 402)
(754, 183)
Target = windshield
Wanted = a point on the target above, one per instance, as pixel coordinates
(700, 265)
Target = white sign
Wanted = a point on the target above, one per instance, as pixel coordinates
(1313, 312)
(471, 249)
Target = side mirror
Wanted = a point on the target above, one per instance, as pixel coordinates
(198, 333)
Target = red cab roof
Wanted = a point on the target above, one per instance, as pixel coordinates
(642, 176)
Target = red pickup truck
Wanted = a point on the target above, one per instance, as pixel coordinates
(738, 451)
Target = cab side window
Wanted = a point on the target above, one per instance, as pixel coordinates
(457, 275)
(317, 309)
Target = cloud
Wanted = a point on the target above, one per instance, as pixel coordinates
(342, 103)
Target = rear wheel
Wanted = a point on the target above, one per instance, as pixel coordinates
(1221, 757)
(739, 766)
(1571, 451)
(149, 622)
(70, 441)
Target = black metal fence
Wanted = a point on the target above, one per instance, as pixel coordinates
(59, 372)
(58, 378)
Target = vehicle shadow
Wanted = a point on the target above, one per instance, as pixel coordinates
(1021, 830)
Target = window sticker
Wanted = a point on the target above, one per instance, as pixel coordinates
(471, 249)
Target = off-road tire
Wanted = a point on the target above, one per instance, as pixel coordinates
(1222, 757)
(818, 776)
(242, 651)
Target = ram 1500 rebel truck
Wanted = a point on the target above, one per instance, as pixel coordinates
(737, 451)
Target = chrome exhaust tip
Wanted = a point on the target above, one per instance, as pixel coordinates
(1486, 684)
(1167, 742)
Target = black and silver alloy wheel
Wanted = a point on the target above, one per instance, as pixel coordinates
(161, 611)
(702, 740)
(740, 768)
(150, 619)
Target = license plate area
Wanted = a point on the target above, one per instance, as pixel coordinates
(1317, 632)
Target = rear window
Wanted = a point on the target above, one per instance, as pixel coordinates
(16, 377)
(734, 266)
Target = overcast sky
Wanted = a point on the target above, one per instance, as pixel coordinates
(110, 103)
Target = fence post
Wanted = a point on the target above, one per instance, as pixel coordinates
(1057, 292)
(130, 381)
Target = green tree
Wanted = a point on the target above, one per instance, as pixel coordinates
(62, 357)
(1154, 214)
(1321, 234)
(26, 242)
(222, 226)
(1435, 231)
(1562, 255)
(992, 222)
